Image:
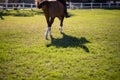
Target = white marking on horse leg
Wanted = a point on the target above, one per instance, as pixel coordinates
(47, 31)
(60, 29)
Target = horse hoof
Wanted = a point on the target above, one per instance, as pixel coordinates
(61, 32)
(47, 39)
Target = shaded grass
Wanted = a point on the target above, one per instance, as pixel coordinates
(21, 13)
(88, 49)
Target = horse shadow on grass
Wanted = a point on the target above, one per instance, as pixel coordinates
(69, 41)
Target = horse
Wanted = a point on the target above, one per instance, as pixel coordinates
(52, 9)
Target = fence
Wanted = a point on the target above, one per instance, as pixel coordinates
(92, 5)
(69, 5)
(17, 5)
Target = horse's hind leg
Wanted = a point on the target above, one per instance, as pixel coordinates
(50, 22)
(46, 33)
(48, 29)
(61, 23)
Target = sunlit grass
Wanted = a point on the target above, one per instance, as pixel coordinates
(87, 50)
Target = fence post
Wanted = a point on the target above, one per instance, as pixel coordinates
(81, 5)
(70, 5)
(6, 5)
(13, 6)
(23, 5)
(100, 5)
(109, 5)
(117, 5)
(31, 5)
(91, 5)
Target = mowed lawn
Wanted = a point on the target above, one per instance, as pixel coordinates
(89, 48)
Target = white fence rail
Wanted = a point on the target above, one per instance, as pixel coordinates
(17, 5)
(69, 5)
(92, 5)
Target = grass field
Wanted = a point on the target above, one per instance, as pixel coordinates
(89, 48)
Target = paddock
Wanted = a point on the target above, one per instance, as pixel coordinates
(88, 49)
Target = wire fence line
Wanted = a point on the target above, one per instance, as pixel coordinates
(70, 5)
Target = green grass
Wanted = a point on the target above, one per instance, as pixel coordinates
(89, 49)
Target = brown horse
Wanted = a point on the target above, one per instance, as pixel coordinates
(52, 9)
